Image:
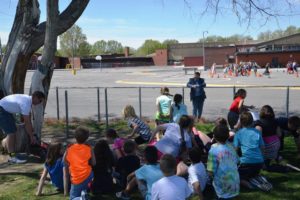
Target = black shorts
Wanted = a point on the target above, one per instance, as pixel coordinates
(248, 170)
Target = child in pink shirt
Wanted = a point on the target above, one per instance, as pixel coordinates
(113, 137)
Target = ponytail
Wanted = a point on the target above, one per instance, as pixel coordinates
(177, 100)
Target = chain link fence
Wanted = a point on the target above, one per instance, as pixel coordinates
(103, 104)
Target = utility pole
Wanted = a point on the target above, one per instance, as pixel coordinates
(203, 47)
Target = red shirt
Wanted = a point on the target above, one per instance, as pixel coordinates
(235, 105)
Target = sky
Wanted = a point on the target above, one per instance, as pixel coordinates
(131, 22)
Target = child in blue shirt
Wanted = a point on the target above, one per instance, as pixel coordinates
(249, 141)
(177, 109)
(222, 165)
(145, 176)
(54, 165)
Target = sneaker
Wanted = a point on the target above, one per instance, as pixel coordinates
(121, 195)
(257, 184)
(15, 160)
(268, 186)
(260, 184)
(84, 195)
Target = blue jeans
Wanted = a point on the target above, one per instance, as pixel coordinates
(198, 103)
(76, 189)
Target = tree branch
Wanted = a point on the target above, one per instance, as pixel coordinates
(248, 10)
(65, 20)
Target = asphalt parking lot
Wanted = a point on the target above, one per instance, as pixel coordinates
(123, 88)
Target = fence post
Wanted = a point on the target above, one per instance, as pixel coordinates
(67, 114)
(106, 109)
(98, 104)
(287, 101)
(140, 101)
(234, 91)
(57, 103)
(183, 95)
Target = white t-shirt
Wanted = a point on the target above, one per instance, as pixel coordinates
(197, 173)
(17, 103)
(170, 142)
(170, 188)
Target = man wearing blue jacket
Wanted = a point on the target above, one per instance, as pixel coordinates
(197, 94)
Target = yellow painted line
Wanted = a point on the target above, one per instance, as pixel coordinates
(142, 73)
(150, 83)
(208, 85)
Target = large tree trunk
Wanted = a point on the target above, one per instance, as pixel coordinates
(42, 76)
(16, 59)
(25, 38)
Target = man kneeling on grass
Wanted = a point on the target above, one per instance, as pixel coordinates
(17, 104)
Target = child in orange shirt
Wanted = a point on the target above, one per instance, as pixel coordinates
(79, 159)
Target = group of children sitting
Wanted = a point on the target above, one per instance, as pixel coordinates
(233, 159)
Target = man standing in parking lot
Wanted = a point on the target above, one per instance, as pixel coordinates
(197, 94)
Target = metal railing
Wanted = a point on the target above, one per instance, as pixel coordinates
(218, 99)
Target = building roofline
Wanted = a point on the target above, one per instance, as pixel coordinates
(267, 52)
(281, 38)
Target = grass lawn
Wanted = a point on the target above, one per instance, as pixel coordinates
(17, 185)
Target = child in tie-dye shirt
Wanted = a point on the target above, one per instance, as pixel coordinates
(222, 165)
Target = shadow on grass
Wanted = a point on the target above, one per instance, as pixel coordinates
(51, 194)
(33, 175)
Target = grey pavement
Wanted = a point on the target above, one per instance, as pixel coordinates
(123, 88)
